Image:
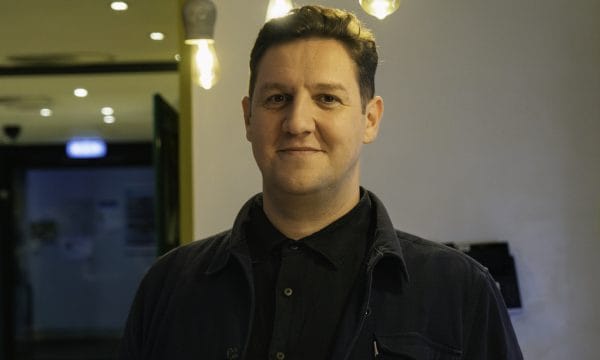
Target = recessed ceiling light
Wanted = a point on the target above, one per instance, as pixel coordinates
(157, 36)
(45, 112)
(80, 92)
(107, 110)
(109, 119)
(119, 5)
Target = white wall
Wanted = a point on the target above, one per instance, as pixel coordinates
(491, 132)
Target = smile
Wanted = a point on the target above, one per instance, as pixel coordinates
(299, 151)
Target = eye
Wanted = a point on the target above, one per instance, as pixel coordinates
(277, 100)
(328, 99)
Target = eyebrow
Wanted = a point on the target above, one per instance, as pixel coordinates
(330, 87)
(272, 86)
(319, 86)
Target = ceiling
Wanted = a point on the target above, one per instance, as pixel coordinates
(49, 48)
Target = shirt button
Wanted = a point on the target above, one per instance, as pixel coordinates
(288, 292)
(232, 353)
(294, 247)
(280, 355)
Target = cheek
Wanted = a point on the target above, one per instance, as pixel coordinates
(262, 137)
(343, 134)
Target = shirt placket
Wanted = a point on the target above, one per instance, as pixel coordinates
(288, 295)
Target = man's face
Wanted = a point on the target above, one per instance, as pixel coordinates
(305, 119)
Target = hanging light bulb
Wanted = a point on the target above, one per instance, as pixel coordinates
(199, 17)
(206, 64)
(278, 8)
(379, 8)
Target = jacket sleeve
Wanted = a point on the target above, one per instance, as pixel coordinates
(491, 335)
(131, 342)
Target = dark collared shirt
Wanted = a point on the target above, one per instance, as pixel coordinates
(302, 286)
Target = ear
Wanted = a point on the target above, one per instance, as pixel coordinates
(373, 114)
(246, 107)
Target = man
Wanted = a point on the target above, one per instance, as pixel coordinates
(313, 268)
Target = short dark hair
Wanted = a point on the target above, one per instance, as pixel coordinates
(322, 22)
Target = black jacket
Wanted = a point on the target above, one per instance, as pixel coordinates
(416, 300)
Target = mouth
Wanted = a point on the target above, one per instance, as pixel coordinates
(299, 150)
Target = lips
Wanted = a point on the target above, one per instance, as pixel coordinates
(299, 150)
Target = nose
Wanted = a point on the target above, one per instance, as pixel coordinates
(300, 119)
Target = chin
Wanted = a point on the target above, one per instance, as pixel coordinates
(295, 186)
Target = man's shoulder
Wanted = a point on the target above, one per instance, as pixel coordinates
(437, 258)
(201, 250)
(190, 258)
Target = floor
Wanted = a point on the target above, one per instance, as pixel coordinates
(69, 349)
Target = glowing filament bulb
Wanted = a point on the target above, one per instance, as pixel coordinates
(278, 8)
(206, 65)
(380, 8)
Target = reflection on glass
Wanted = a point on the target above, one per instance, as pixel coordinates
(88, 238)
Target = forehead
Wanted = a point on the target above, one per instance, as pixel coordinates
(312, 59)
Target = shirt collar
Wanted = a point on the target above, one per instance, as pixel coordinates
(341, 240)
(336, 242)
(386, 243)
(262, 237)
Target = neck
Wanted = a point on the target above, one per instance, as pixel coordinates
(299, 215)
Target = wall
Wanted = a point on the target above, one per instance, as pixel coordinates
(491, 132)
